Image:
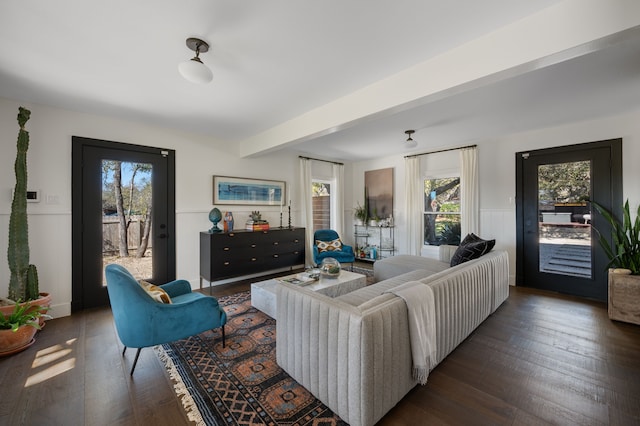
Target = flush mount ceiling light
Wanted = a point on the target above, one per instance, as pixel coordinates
(194, 70)
(410, 143)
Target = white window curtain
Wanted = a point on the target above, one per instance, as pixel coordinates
(307, 207)
(338, 198)
(469, 191)
(414, 195)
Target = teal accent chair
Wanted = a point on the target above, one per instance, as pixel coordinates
(345, 255)
(142, 322)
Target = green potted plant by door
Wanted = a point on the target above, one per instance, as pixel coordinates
(18, 328)
(624, 264)
(23, 281)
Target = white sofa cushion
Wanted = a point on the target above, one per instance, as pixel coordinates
(393, 266)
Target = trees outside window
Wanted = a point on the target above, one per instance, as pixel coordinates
(442, 211)
(126, 195)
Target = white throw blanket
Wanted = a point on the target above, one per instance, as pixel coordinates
(422, 326)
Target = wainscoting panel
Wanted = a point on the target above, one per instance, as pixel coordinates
(501, 225)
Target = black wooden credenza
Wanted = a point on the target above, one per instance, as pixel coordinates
(226, 255)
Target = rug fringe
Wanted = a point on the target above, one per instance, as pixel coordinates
(189, 405)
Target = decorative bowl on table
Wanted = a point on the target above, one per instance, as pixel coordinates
(330, 268)
(313, 273)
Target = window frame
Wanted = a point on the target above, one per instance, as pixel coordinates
(448, 174)
(332, 205)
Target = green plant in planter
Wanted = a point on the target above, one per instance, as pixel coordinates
(23, 283)
(23, 314)
(625, 250)
(360, 213)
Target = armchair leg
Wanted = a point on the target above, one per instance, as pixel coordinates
(135, 361)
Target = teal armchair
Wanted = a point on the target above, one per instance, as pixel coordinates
(142, 322)
(344, 255)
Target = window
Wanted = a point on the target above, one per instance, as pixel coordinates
(321, 201)
(442, 211)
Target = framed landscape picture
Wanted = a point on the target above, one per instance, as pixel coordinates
(245, 191)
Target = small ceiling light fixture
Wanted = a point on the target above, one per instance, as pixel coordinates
(410, 143)
(194, 70)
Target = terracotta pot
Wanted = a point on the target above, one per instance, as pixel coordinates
(12, 342)
(44, 300)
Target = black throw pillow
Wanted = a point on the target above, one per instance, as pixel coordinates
(471, 247)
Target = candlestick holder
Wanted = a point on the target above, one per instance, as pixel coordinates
(280, 219)
(289, 216)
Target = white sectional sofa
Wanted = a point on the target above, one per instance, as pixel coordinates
(353, 352)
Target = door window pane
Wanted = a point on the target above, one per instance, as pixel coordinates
(564, 217)
(126, 217)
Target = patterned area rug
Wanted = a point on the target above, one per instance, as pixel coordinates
(240, 384)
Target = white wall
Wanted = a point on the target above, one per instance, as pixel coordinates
(496, 159)
(49, 166)
(356, 195)
(198, 158)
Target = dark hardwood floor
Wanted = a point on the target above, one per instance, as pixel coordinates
(542, 358)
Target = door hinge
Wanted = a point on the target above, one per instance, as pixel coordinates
(164, 153)
(525, 156)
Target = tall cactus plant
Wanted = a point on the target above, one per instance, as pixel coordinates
(23, 284)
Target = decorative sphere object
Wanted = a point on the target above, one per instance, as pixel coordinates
(330, 268)
(215, 216)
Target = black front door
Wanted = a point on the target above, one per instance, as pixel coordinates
(557, 249)
(138, 231)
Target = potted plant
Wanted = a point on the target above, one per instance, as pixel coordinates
(624, 264)
(23, 282)
(373, 220)
(19, 326)
(360, 214)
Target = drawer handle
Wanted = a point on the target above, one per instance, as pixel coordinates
(226, 249)
(276, 255)
(296, 241)
(226, 263)
(253, 246)
(276, 243)
(264, 232)
(296, 252)
(231, 235)
(253, 259)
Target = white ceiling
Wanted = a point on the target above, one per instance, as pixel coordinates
(276, 60)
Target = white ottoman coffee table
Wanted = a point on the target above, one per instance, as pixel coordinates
(263, 293)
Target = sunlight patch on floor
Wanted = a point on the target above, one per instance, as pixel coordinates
(57, 359)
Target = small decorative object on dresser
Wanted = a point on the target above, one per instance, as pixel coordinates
(214, 217)
(228, 222)
(256, 223)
